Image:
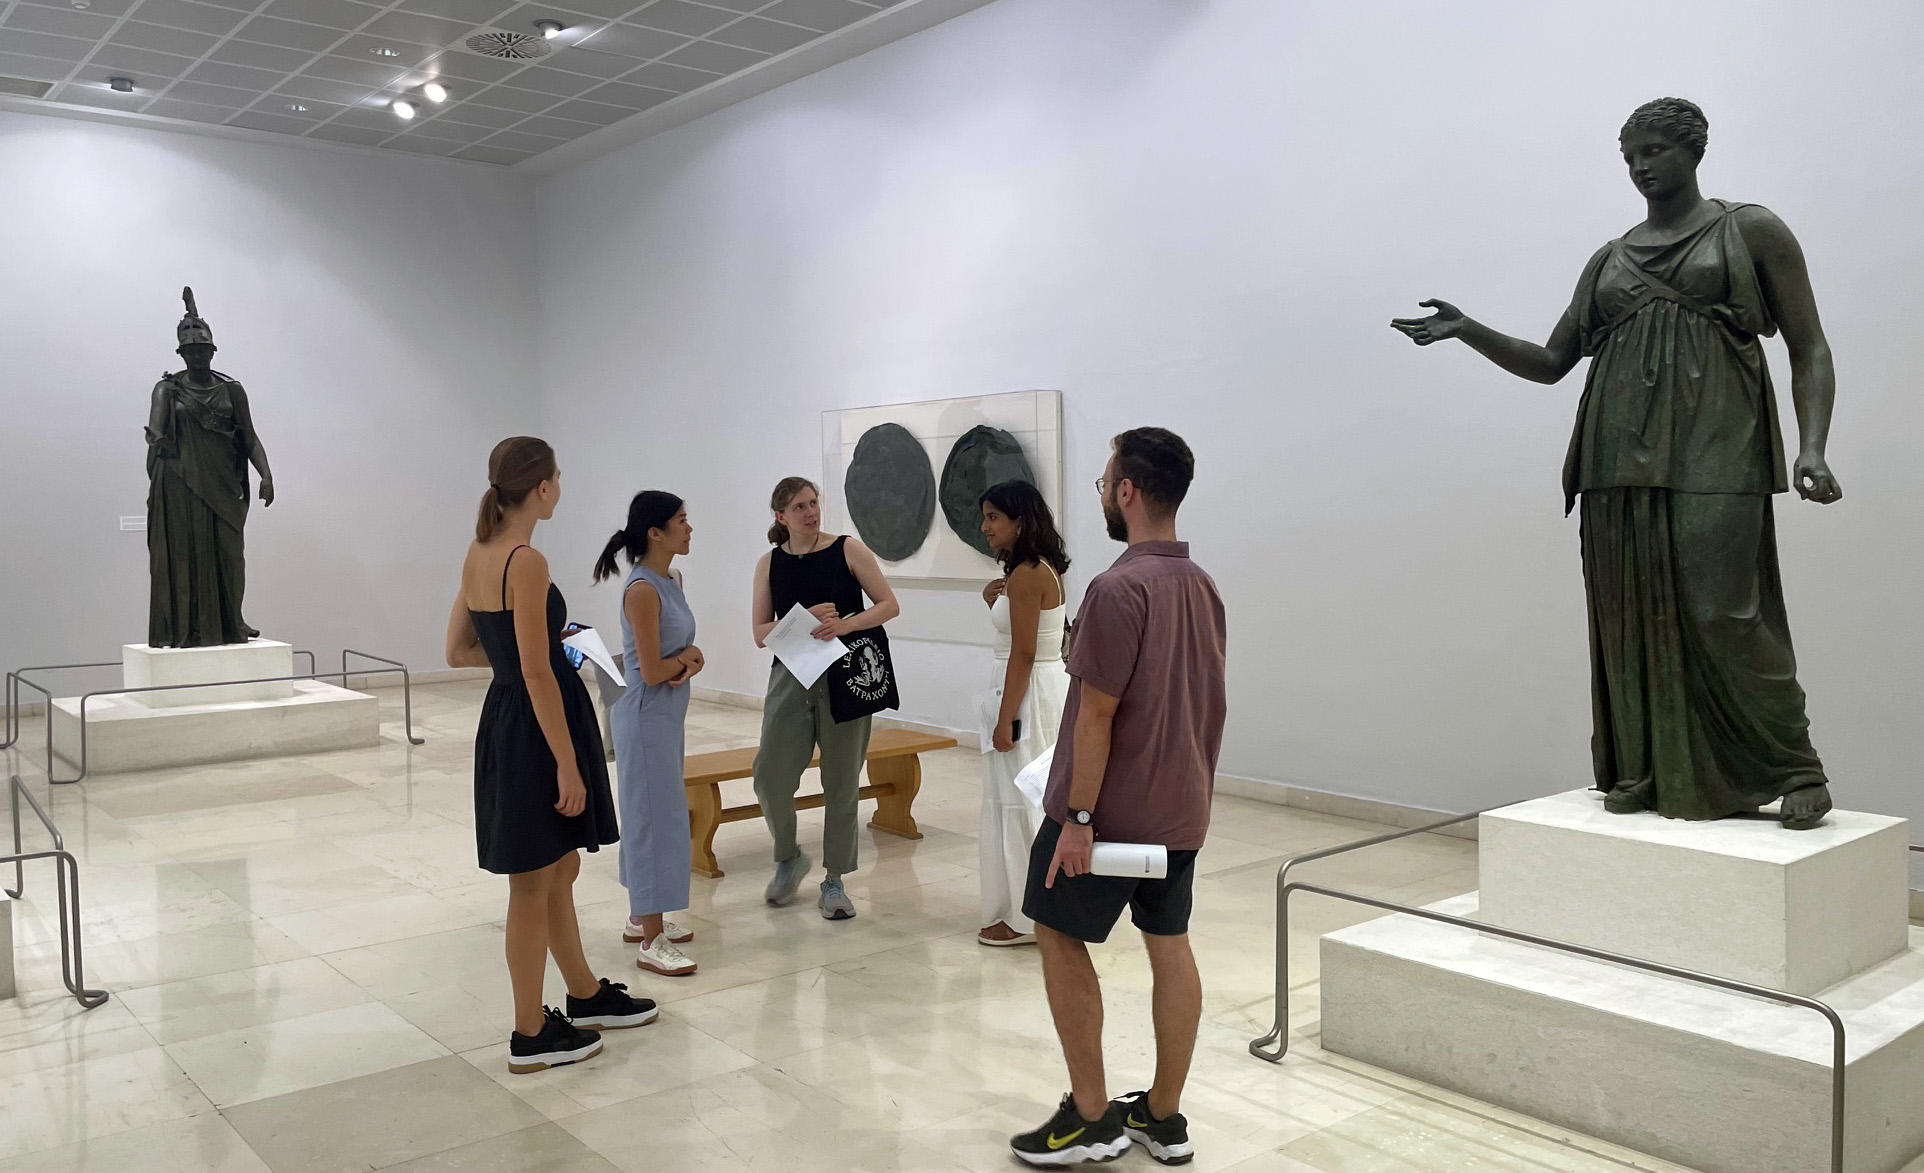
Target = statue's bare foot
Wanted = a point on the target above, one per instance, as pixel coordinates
(1804, 809)
(1623, 801)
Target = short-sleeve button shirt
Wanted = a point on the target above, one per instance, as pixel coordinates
(1151, 633)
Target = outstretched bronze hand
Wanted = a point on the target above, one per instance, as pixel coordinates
(1446, 322)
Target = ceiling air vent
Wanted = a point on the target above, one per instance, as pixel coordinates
(508, 46)
(24, 88)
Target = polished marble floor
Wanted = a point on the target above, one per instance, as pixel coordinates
(306, 975)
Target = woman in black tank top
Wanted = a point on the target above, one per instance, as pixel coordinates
(814, 577)
(831, 577)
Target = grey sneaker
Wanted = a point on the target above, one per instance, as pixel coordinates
(788, 877)
(835, 903)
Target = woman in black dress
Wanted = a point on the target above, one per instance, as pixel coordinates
(540, 777)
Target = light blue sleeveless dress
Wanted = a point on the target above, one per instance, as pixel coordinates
(648, 725)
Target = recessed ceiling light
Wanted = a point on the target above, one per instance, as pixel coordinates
(296, 108)
(384, 51)
(550, 28)
(404, 108)
(435, 92)
(121, 85)
(82, 4)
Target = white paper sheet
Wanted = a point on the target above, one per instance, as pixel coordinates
(805, 657)
(587, 641)
(1033, 780)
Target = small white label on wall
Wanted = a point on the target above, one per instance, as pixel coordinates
(133, 525)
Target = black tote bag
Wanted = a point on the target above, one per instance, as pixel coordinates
(862, 683)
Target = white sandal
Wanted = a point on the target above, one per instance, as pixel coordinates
(1005, 942)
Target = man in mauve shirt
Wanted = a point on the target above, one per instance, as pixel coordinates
(1135, 763)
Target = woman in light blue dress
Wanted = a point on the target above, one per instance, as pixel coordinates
(659, 657)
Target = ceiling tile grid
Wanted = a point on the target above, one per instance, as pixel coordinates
(332, 69)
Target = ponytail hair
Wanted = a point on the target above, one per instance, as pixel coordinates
(605, 566)
(651, 509)
(785, 493)
(516, 467)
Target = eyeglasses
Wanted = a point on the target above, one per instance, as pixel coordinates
(1102, 486)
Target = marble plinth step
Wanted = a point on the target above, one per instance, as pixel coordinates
(123, 734)
(142, 666)
(1741, 898)
(1713, 1080)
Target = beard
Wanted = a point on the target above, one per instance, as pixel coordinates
(1112, 517)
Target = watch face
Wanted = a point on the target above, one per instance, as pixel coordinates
(1082, 817)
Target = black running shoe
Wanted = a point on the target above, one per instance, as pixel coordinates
(1166, 1139)
(559, 1044)
(610, 1008)
(1068, 1139)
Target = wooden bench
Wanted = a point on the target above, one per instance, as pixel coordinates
(894, 773)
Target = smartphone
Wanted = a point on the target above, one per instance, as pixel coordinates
(1015, 729)
(575, 655)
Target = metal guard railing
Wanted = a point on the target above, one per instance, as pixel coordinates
(19, 678)
(67, 884)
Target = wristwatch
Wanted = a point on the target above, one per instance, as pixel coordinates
(1080, 818)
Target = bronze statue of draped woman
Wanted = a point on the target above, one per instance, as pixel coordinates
(200, 440)
(1675, 458)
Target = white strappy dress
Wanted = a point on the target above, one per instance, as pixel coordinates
(1009, 820)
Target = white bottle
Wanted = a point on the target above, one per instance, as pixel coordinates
(1142, 861)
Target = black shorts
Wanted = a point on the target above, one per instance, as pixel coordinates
(1087, 907)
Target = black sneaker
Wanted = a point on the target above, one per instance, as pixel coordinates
(559, 1044)
(1068, 1139)
(610, 1008)
(1166, 1139)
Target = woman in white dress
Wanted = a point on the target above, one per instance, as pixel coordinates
(1029, 610)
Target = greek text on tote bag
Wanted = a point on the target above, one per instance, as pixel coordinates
(862, 683)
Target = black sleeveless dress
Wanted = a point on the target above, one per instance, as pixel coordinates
(516, 827)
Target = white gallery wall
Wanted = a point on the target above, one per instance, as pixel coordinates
(1202, 214)
(378, 310)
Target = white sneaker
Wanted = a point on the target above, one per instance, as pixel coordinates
(664, 958)
(631, 932)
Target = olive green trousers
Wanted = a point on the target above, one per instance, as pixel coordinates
(795, 722)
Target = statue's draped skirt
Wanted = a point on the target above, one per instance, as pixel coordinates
(1675, 456)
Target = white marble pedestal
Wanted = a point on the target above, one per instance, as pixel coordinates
(221, 722)
(1717, 1081)
(1741, 898)
(143, 666)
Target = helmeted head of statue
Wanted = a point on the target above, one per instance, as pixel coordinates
(193, 329)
